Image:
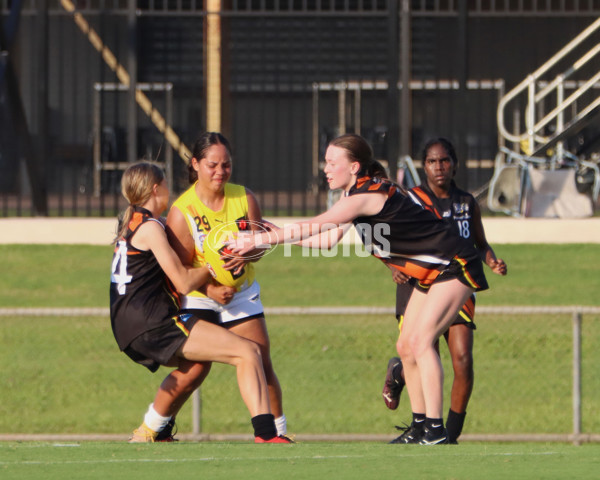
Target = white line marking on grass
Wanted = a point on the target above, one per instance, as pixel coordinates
(229, 459)
(438, 453)
(175, 460)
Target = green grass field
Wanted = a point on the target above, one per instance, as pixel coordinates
(76, 276)
(360, 461)
(66, 374)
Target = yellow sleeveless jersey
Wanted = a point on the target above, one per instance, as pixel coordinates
(200, 219)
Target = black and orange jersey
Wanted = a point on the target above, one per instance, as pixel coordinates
(141, 295)
(457, 209)
(411, 236)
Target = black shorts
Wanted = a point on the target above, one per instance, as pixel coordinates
(466, 315)
(156, 347)
(468, 270)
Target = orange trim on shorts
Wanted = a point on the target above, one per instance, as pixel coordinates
(466, 274)
(468, 309)
(181, 326)
(426, 276)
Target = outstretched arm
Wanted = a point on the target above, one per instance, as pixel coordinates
(326, 239)
(343, 212)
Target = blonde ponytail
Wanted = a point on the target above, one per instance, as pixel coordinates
(136, 186)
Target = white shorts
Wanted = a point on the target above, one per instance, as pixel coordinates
(243, 305)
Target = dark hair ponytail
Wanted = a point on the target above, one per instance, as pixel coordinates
(376, 170)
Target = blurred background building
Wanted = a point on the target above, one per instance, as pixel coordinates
(88, 86)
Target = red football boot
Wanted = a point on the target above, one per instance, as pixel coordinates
(279, 439)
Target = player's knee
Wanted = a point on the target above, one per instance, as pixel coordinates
(191, 378)
(463, 364)
(250, 352)
(404, 349)
(421, 345)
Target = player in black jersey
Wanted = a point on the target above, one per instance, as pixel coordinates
(145, 280)
(461, 211)
(396, 228)
(212, 200)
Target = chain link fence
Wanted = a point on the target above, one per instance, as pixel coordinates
(535, 376)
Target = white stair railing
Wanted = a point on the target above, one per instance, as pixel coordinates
(568, 111)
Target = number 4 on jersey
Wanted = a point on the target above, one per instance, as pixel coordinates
(120, 263)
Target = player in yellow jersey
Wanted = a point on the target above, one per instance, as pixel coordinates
(209, 203)
(144, 308)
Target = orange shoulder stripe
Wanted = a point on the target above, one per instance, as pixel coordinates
(135, 221)
(427, 200)
(423, 196)
(361, 181)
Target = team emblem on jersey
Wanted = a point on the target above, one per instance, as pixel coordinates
(461, 210)
(242, 224)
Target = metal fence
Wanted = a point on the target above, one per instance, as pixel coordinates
(297, 74)
(535, 376)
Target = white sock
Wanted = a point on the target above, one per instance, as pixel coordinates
(281, 424)
(155, 421)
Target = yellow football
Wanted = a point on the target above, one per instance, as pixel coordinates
(214, 248)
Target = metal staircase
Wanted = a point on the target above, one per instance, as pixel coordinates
(543, 119)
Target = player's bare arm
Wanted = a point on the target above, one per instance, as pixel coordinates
(179, 236)
(343, 212)
(152, 236)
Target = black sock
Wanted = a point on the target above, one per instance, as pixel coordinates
(435, 425)
(454, 424)
(419, 419)
(264, 426)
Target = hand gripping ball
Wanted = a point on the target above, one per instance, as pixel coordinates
(214, 248)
